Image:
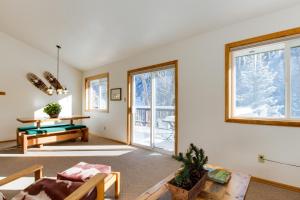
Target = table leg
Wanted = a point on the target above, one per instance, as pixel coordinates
(38, 124)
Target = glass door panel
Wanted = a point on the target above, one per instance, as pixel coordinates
(141, 109)
(164, 109)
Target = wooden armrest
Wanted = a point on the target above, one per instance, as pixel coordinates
(36, 169)
(97, 181)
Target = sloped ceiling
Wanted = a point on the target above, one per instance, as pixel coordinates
(97, 32)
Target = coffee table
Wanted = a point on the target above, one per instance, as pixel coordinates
(235, 189)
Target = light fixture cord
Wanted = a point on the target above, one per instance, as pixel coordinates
(281, 163)
(58, 47)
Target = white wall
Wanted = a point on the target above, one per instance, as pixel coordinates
(22, 98)
(201, 102)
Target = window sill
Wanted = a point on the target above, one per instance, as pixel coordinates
(271, 122)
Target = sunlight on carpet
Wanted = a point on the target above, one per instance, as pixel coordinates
(74, 151)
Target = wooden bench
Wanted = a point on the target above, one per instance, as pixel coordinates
(33, 136)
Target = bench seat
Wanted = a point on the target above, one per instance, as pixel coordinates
(26, 128)
(54, 129)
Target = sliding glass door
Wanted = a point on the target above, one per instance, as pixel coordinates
(153, 108)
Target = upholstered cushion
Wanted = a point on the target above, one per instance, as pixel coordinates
(54, 129)
(51, 189)
(25, 128)
(83, 171)
(2, 197)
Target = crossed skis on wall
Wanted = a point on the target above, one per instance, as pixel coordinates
(39, 83)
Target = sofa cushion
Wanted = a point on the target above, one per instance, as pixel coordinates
(2, 197)
(83, 172)
(25, 128)
(74, 126)
(51, 189)
(54, 129)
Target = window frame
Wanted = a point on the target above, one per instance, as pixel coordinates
(87, 92)
(229, 86)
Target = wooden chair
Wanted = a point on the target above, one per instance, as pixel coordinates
(97, 181)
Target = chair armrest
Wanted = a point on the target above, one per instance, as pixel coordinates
(97, 181)
(36, 169)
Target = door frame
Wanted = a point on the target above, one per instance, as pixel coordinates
(165, 65)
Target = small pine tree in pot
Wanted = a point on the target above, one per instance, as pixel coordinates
(53, 109)
(190, 179)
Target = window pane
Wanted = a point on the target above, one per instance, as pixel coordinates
(164, 109)
(103, 93)
(295, 82)
(94, 94)
(142, 101)
(259, 84)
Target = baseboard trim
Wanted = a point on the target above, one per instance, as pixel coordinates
(276, 184)
(114, 140)
(4, 141)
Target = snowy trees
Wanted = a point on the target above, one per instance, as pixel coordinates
(143, 89)
(259, 84)
(267, 81)
(295, 81)
(164, 87)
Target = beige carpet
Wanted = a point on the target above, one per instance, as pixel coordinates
(140, 169)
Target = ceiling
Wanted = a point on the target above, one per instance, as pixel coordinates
(97, 32)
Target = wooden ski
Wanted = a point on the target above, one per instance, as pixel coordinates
(52, 80)
(37, 82)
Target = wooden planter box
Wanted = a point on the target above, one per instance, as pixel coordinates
(182, 194)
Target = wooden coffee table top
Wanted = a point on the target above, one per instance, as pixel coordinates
(235, 189)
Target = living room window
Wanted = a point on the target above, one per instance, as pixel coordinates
(263, 80)
(96, 90)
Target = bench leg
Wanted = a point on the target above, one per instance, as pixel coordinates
(117, 184)
(24, 143)
(18, 137)
(85, 135)
(38, 174)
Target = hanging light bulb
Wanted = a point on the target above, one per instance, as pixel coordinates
(50, 90)
(65, 91)
(59, 91)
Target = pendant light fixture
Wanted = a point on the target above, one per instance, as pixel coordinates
(59, 89)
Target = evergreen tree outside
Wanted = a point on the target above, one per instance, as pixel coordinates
(295, 82)
(259, 85)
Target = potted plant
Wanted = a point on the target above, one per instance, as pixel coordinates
(53, 110)
(191, 178)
